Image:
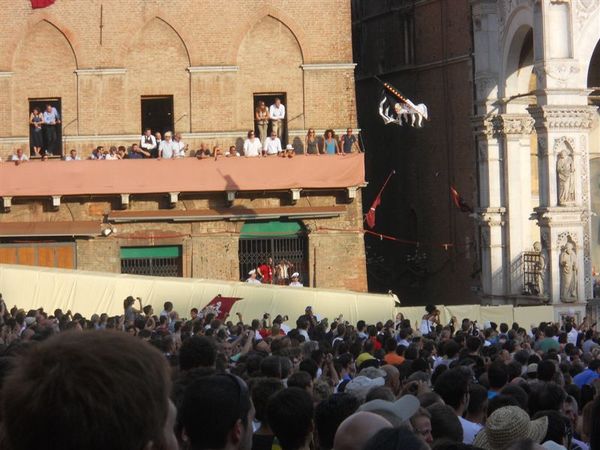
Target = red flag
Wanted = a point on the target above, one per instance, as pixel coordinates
(458, 201)
(221, 305)
(35, 4)
(371, 214)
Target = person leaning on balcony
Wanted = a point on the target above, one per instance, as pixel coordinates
(183, 147)
(148, 142)
(232, 152)
(272, 145)
(311, 143)
(261, 116)
(137, 152)
(252, 277)
(158, 139)
(19, 157)
(73, 156)
(277, 114)
(330, 143)
(168, 149)
(349, 142)
(252, 145)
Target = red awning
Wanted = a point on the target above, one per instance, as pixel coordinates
(150, 176)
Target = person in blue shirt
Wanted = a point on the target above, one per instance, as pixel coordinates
(51, 121)
(136, 152)
(588, 375)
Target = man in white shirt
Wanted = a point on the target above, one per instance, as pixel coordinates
(252, 277)
(277, 114)
(183, 147)
(168, 149)
(19, 156)
(272, 144)
(252, 147)
(73, 156)
(148, 142)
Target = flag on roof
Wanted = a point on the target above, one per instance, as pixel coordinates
(35, 4)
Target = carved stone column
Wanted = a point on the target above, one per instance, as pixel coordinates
(491, 211)
(512, 132)
(564, 211)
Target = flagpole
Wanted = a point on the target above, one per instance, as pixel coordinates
(393, 172)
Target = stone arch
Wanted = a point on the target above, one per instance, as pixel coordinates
(519, 78)
(129, 45)
(32, 24)
(287, 21)
(156, 61)
(515, 68)
(43, 66)
(587, 45)
(269, 69)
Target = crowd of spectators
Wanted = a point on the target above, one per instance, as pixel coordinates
(159, 381)
(269, 123)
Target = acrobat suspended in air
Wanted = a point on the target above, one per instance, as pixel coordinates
(395, 108)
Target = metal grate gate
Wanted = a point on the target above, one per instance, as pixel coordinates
(254, 252)
(532, 273)
(158, 267)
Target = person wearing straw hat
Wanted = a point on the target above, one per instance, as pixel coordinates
(295, 282)
(252, 277)
(507, 425)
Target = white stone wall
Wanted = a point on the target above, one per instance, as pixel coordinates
(531, 65)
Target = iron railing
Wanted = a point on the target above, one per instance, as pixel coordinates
(294, 250)
(157, 267)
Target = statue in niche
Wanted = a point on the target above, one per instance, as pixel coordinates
(565, 170)
(568, 273)
(540, 269)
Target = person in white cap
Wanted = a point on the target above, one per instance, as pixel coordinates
(252, 277)
(295, 282)
(289, 151)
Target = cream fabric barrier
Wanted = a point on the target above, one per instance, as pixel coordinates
(94, 292)
(523, 315)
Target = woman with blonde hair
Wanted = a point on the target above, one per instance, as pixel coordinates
(311, 143)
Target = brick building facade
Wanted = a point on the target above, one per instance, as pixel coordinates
(212, 60)
(423, 48)
(102, 58)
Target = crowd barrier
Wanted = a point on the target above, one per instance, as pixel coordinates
(95, 292)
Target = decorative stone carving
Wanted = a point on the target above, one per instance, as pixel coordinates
(561, 71)
(483, 126)
(584, 9)
(568, 272)
(491, 216)
(540, 269)
(513, 124)
(560, 117)
(565, 173)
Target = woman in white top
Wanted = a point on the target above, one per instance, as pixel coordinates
(430, 320)
(252, 145)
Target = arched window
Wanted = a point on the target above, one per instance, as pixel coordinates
(284, 243)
